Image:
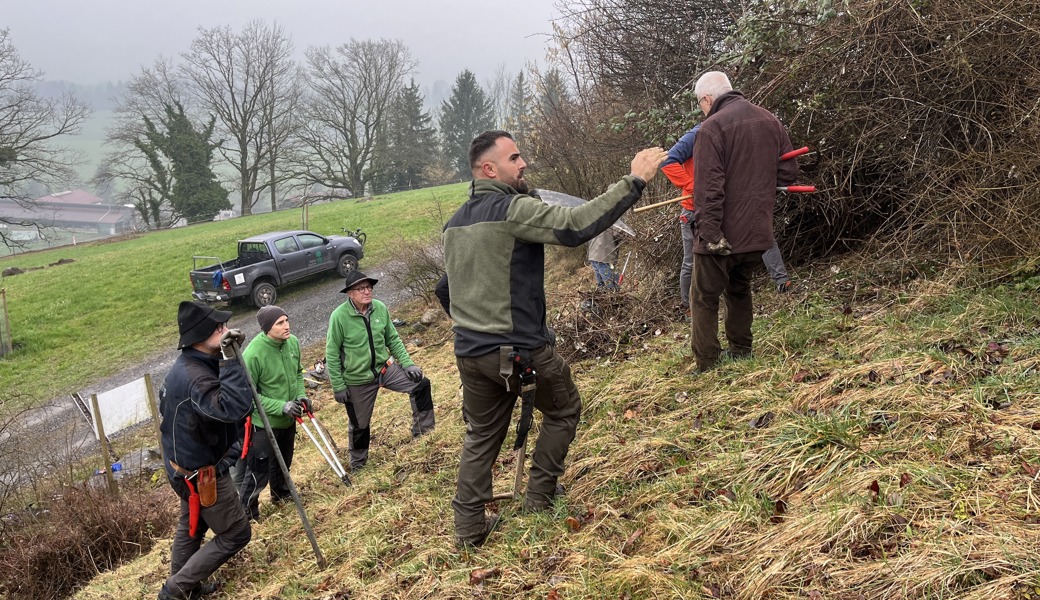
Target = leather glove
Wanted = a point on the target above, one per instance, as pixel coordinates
(341, 396)
(292, 409)
(230, 341)
(414, 373)
(721, 247)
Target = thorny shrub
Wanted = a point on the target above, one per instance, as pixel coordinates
(921, 115)
(416, 266)
(83, 532)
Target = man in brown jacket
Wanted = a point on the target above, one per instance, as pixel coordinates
(737, 161)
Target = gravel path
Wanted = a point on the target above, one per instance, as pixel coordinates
(60, 427)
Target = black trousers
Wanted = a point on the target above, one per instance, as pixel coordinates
(262, 468)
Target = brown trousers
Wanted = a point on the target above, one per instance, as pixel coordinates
(730, 278)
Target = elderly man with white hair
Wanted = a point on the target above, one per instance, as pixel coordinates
(737, 161)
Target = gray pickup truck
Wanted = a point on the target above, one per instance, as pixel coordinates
(268, 261)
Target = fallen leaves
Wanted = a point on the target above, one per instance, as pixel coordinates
(1029, 469)
(881, 422)
(762, 421)
(575, 523)
(630, 543)
(478, 576)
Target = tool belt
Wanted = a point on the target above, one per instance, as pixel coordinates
(517, 361)
(203, 492)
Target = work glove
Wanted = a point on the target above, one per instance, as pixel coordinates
(414, 373)
(292, 409)
(721, 247)
(304, 404)
(341, 396)
(230, 341)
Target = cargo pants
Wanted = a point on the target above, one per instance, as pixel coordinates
(488, 408)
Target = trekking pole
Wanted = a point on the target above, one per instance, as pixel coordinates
(281, 463)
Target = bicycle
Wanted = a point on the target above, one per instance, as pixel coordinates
(357, 234)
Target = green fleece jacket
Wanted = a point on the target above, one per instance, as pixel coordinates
(357, 346)
(278, 375)
(494, 255)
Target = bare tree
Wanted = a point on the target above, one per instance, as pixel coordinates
(29, 127)
(498, 89)
(250, 82)
(352, 88)
(143, 178)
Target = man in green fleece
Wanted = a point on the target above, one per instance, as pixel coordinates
(364, 353)
(273, 361)
(494, 251)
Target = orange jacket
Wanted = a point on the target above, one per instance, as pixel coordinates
(678, 167)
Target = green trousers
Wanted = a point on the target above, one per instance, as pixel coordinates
(488, 407)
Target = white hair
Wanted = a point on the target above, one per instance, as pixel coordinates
(712, 83)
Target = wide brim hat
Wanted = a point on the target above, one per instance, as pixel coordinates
(197, 321)
(355, 277)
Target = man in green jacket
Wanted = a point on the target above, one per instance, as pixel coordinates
(273, 361)
(364, 353)
(494, 251)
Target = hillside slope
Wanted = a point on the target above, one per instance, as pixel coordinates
(881, 444)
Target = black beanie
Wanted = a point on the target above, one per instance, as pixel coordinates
(267, 316)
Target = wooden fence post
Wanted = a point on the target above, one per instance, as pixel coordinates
(112, 486)
(155, 413)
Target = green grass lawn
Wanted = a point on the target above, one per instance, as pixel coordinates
(79, 322)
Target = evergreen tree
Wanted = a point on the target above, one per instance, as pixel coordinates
(518, 110)
(464, 115)
(553, 97)
(410, 146)
(196, 195)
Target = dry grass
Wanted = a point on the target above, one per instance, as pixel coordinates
(882, 444)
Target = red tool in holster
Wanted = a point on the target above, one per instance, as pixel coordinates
(383, 370)
(194, 507)
(247, 438)
(203, 492)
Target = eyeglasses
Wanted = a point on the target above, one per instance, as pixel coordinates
(362, 288)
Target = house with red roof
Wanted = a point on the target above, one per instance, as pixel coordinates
(73, 210)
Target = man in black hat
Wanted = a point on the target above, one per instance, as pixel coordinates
(273, 360)
(365, 353)
(203, 402)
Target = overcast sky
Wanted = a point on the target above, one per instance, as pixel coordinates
(94, 41)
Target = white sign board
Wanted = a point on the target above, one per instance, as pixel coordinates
(122, 407)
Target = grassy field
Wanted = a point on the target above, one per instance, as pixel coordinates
(114, 304)
(881, 444)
